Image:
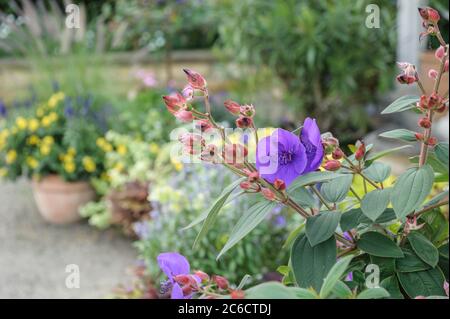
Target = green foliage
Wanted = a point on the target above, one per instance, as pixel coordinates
(321, 41)
(321, 227)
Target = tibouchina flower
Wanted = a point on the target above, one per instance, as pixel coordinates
(173, 265)
(285, 156)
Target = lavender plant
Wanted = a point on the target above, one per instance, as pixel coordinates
(395, 232)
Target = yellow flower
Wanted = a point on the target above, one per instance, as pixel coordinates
(21, 123)
(104, 145)
(177, 164)
(32, 162)
(100, 141)
(55, 99)
(69, 167)
(119, 166)
(40, 112)
(71, 151)
(33, 125)
(122, 149)
(89, 164)
(3, 172)
(46, 121)
(33, 140)
(48, 140)
(11, 156)
(154, 148)
(105, 177)
(45, 149)
(53, 116)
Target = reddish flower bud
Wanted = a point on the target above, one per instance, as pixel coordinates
(333, 165)
(439, 53)
(330, 143)
(441, 109)
(432, 74)
(361, 151)
(187, 290)
(232, 107)
(432, 141)
(268, 194)
(423, 103)
(406, 79)
(253, 176)
(245, 185)
(409, 73)
(244, 122)
(434, 100)
(203, 125)
(221, 282)
(204, 277)
(235, 153)
(419, 136)
(184, 116)
(423, 13)
(248, 110)
(279, 184)
(237, 294)
(337, 154)
(195, 79)
(174, 102)
(433, 15)
(424, 122)
(183, 279)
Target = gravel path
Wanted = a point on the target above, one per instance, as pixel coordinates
(34, 254)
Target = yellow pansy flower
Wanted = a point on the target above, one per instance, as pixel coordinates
(21, 123)
(69, 167)
(32, 162)
(33, 125)
(122, 149)
(33, 140)
(89, 164)
(11, 156)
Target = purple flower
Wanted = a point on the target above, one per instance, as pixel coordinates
(174, 264)
(286, 156)
(3, 110)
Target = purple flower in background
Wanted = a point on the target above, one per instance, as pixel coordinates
(349, 276)
(174, 264)
(3, 110)
(285, 156)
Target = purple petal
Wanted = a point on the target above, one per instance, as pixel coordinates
(177, 292)
(311, 139)
(173, 264)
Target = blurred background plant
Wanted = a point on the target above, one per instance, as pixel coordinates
(328, 71)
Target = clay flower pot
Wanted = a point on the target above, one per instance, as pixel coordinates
(58, 201)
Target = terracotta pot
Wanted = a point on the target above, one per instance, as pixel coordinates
(58, 201)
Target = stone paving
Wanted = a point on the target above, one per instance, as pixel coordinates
(34, 254)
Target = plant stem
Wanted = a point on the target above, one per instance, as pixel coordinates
(316, 191)
(358, 171)
(354, 193)
(426, 209)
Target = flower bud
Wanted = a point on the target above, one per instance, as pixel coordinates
(332, 165)
(419, 136)
(174, 102)
(429, 14)
(182, 279)
(232, 107)
(279, 184)
(330, 143)
(337, 154)
(221, 282)
(439, 53)
(248, 110)
(405, 79)
(253, 176)
(409, 73)
(432, 141)
(423, 13)
(361, 151)
(423, 102)
(240, 294)
(204, 277)
(441, 109)
(424, 122)
(432, 74)
(187, 290)
(195, 79)
(268, 194)
(184, 116)
(244, 122)
(235, 153)
(203, 125)
(434, 100)
(245, 185)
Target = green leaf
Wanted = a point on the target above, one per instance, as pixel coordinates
(270, 290)
(252, 218)
(403, 103)
(293, 235)
(436, 199)
(341, 290)
(386, 265)
(302, 197)
(313, 178)
(392, 287)
(400, 134)
(441, 151)
(410, 263)
(436, 226)
(302, 293)
(411, 189)
(336, 190)
(321, 227)
(379, 245)
(350, 219)
(387, 216)
(384, 153)
(424, 248)
(374, 293)
(378, 172)
(311, 265)
(374, 203)
(437, 165)
(422, 283)
(216, 206)
(335, 274)
(443, 250)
